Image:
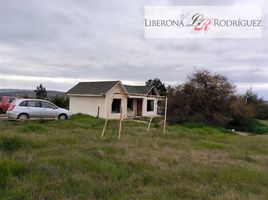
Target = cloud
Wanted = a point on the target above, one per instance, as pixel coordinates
(70, 40)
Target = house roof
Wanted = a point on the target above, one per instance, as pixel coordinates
(138, 89)
(102, 87)
(93, 88)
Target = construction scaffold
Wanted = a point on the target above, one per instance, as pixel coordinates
(160, 98)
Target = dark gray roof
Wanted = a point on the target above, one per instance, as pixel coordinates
(102, 87)
(138, 89)
(93, 88)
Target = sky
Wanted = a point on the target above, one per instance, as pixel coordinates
(61, 42)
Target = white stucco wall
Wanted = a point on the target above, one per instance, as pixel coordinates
(132, 113)
(87, 105)
(109, 99)
(146, 113)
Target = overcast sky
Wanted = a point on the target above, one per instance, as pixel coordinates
(61, 42)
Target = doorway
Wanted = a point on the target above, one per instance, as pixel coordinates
(139, 107)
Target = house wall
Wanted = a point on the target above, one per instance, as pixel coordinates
(109, 99)
(133, 113)
(146, 113)
(87, 105)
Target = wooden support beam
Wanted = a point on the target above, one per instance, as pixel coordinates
(165, 116)
(149, 124)
(120, 128)
(107, 116)
(104, 128)
(121, 118)
(98, 112)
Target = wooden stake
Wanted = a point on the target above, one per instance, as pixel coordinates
(149, 125)
(98, 113)
(165, 117)
(120, 128)
(104, 127)
(106, 120)
(121, 118)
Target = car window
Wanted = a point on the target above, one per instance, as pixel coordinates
(47, 105)
(33, 104)
(24, 103)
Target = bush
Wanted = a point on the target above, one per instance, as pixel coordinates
(262, 111)
(248, 126)
(61, 101)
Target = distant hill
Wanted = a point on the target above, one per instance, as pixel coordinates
(27, 93)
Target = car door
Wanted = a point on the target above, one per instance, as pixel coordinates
(33, 109)
(48, 110)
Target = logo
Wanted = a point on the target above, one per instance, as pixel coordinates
(205, 21)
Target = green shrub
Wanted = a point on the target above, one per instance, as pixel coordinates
(262, 111)
(61, 101)
(249, 126)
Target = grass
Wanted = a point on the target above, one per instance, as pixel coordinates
(69, 160)
(264, 122)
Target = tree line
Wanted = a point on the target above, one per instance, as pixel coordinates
(212, 99)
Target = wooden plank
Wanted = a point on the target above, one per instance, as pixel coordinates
(121, 118)
(104, 128)
(106, 120)
(165, 116)
(149, 124)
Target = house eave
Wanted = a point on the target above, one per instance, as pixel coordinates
(86, 95)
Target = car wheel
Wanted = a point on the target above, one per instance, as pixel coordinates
(23, 117)
(62, 117)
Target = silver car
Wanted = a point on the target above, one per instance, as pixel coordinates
(24, 109)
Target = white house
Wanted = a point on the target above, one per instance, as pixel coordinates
(110, 99)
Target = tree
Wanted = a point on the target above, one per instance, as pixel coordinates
(261, 109)
(242, 114)
(251, 97)
(40, 92)
(158, 85)
(205, 97)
